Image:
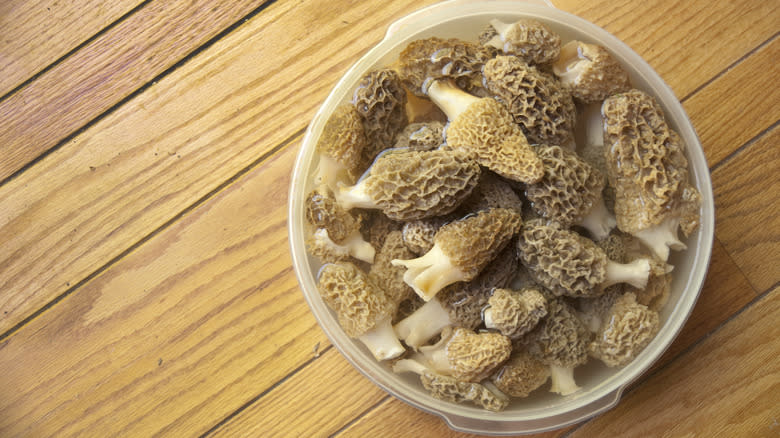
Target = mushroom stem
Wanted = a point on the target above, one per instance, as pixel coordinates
(449, 98)
(635, 273)
(661, 238)
(428, 274)
(381, 341)
(425, 323)
(599, 221)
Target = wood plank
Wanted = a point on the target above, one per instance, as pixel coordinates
(687, 43)
(152, 158)
(38, 32)
(747, 200)
(106, 71)
(731, 380)
(175, 336)
(342, 391)
(725, 292)
(738, 105)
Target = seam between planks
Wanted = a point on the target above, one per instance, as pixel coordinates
(730, 67)
(262, 394)
(72, 51)
(744, 146)
(357, 418)
(643, 380)
(202, 200)
(184, 60)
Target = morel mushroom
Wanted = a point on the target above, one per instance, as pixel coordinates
(514, 313)
(337, 233)
(391, 278)
(426, 60)
(590, 72)
(340, 148)
(484, 128)
(647, 166)
(364, 310)
(380, 99)
(466, 355)
(625, 332)
(542, 108)
(526, 38)
(421, 136)
(448, 388)
(521, 374)
(569, 264)
(409, 185)
(561, 341)
(461, 250)
(492, 191)
(570, 192)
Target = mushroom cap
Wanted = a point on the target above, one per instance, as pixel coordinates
(628, 328)
(474, 356)
(515, 313)
(465, 300)
(561, 260)
(492, 191)
(646, 164)
(486, 131)
(425, 60)
(343, 139)
(389, 277)
(375, 225)
(380, 99)
(569, 188)
(532, 41)
(359, 303)
(421, 136)
(418, 235)
(450, 389)
(322, 211)
(560, 339)
(590, 71)
(521, 374)
(538, 103)
(409, 185)
(472, 242)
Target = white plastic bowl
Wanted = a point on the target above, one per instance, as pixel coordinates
(601, 386)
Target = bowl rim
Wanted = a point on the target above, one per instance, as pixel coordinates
(604, 395)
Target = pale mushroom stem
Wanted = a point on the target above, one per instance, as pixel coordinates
(449, 98)
(382, 342)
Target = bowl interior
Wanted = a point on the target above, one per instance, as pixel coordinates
(601, 385)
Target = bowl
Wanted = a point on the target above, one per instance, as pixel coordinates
(601, 386)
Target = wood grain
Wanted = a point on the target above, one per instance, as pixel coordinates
(140, 166)
(726, 386)
(738, 105)
(38, 32)
(747, 201)
(104, 72)
(342, 392)
(175, 336)
(687, 43)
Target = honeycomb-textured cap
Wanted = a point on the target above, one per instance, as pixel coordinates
(561, 260)
(492, 191)
(628, 328)
(590, 71)
(472, 242)
(474, 356)
(322, 211)
(521, 374)
(389, 277)
(569, 188)
(343, 139)
(425, 60)
(486, 131)
(380, 99)
(646, 164)
(357, 301)
(515, 313)
(421, 136)
(531, 41)
(561, 338)
(414, 185)
(542, 108)
(450, 389)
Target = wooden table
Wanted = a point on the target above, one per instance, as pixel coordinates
(145, 158)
